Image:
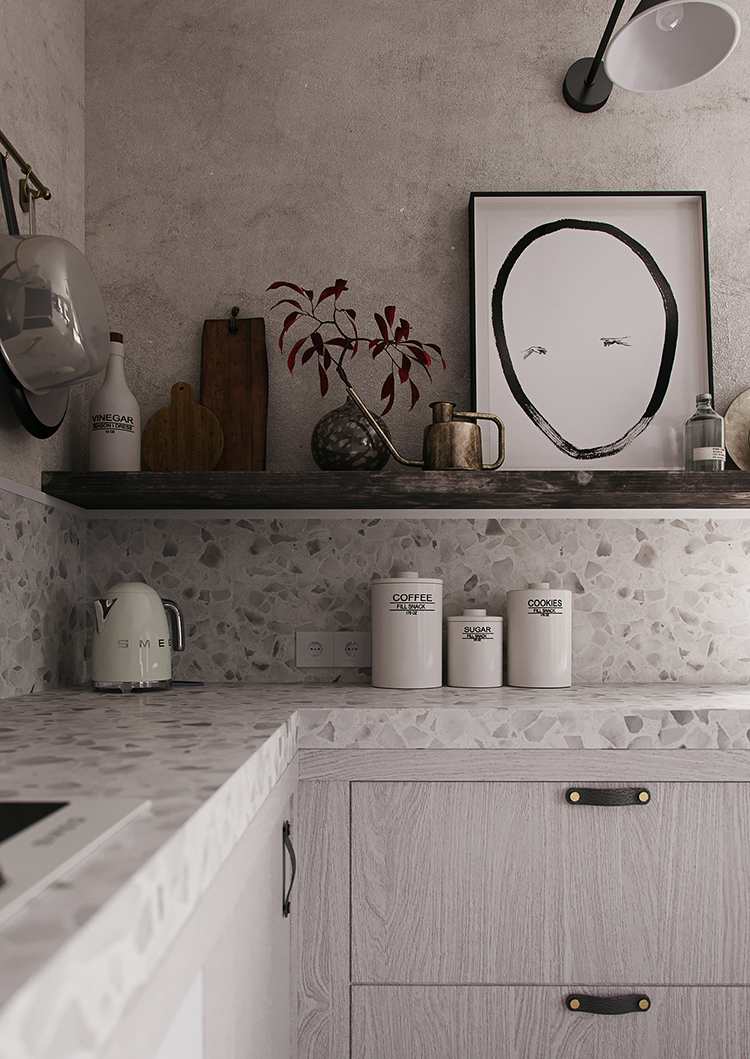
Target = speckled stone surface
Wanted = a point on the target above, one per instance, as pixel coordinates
(654, 600)
(208, 758)
(42, 596)
(598, 717)
(661, 600)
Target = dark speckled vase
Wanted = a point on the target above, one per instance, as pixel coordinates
(343, 440)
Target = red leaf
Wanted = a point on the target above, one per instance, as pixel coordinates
(287, 301)
(414, 395)
(325, 293)
(420, 355)
(293, 286)
(307, 354)
(351, 313)
(377, 346)
(398, 335)
(344, 343)
(287, 324)
(390, 314)
(389, 392)
(323, 380)
(317, 341)
(403, 371)
(294, 351)
(438, 351)
(326, 359)
(340, 286)
(406, 327)
(381, 324)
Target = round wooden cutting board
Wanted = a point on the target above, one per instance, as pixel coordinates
(182, 436)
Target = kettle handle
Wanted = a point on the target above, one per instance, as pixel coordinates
(178, 625)
(500, 431)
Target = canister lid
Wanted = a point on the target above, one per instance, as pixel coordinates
(475, 615)
(538, 584)
(400, 576)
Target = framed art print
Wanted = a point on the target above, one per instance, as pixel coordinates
(590, 325)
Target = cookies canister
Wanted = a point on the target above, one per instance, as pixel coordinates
(539, 637)
(475, 650)
(407, 631)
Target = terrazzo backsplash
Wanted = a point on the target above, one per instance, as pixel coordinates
(654, 599)
(42, 596)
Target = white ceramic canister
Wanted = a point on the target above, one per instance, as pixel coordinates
(475, 650)
(407, 631)
(540, 634)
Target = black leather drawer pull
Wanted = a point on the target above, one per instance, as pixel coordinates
(608, 795)
(608, 1005)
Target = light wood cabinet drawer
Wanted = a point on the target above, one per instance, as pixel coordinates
(503, 1022)
(508, 883)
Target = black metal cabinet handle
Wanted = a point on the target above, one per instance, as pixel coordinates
(607, 1005)
(286, 832)
(607, 796)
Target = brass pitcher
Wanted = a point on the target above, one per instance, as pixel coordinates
(453, 441)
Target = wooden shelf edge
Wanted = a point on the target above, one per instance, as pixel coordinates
(150, 490)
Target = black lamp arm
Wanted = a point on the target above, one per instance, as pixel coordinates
(597, 60)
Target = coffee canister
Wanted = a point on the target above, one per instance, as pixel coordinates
(475, 650)
(540, 634)
(407, 631)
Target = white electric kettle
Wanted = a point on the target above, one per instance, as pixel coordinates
(132, 639)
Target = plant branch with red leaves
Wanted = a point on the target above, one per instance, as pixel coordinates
(331, 333)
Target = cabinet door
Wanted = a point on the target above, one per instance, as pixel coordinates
(501, 1022)
(248, 986)
(509, 883)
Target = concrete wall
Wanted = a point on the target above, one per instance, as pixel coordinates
(232, 144)
(42, 64)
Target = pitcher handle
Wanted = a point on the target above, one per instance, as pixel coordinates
(500, 432)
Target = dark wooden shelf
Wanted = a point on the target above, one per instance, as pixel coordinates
(419, 489)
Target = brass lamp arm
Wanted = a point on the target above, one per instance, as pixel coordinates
(29, 175)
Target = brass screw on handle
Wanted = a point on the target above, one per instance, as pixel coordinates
(643, 1004)
(643, 796)
(574, 796)
(575, 1004)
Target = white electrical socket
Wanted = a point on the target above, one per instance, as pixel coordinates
(352, 650)
(314, 649)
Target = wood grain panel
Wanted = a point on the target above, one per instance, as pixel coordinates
(659, 892)
(323, 920)
(508, 883)
(433, 1022)
(454, 882)
(403, 489)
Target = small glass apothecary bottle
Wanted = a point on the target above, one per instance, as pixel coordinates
(704, 437)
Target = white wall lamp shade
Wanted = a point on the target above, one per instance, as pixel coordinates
(669, 45)
(666, 44)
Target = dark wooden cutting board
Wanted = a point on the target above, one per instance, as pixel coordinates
(182, 436)
(234, 386)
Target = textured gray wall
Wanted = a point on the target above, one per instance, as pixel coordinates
(42, 64)
(232, 144)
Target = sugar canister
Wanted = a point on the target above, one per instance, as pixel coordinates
(475, 650)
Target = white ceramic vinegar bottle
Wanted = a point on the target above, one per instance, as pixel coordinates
(114, 418)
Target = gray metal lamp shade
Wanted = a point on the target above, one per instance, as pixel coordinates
(667, 45)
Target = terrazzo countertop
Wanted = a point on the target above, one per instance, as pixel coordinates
(208, 758)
